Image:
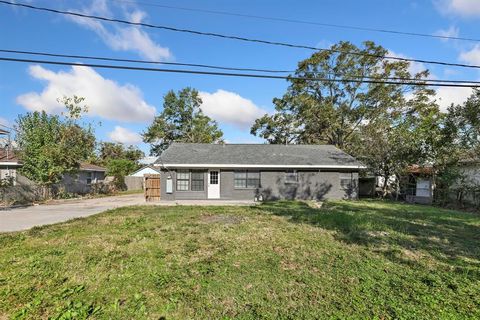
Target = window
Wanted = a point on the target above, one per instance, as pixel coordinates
(246, 179)
(213, 177)
(89, 177)
(183, 180)
(291, 176)
(197, 181)
(346, 183)
(253, 179)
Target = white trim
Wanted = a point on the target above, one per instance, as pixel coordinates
(10, 164)
(92, 170)
(277, 166)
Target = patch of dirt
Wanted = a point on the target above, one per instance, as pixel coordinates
(315, 204)
(412, 254)
(377, 234)
(221, 218)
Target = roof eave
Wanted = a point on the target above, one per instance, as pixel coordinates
(259, 166)
(10, 163)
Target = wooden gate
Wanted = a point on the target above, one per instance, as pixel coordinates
(152, 187)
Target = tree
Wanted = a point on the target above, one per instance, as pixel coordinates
(111, 150)
(318, 109)
(119, 168)
(395, 140)
(51, 145)
(464, 121)
(181, 120)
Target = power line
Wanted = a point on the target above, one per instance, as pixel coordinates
(247, 75)
(142, 61)
(218, 35)
(49, 54)
(297, 21)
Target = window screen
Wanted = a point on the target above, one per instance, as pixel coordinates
(183, 180)
(89, 178)
(247, 179)
(197, 181)
(291, 176)
(253, 179)
(345, 183)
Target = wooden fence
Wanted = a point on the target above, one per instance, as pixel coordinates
(152, 187)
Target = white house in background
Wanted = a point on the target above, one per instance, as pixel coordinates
(146, 161)
(145, 170)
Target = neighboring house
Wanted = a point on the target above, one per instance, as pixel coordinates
(145, 170)
(82, 182)
(418, 184)
(146, 161)
(9, 164)
(257, 171)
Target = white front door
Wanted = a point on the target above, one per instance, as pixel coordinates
(213, 191)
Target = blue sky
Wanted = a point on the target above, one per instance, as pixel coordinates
(125, 102)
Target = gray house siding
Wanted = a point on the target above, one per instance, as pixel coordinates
(312, 184)
(181, 195)
(77, 183)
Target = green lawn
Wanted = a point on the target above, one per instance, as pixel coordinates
(282, 260)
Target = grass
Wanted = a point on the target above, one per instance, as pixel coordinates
(279, 260)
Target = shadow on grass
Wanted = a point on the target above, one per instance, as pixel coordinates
(402, 232)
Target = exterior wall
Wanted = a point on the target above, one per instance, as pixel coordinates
(316, 185)
(181, 195)
(77, 183)
(7, 173)
(472, 172)
(311, 185)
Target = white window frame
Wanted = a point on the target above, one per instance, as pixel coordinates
(183, 179)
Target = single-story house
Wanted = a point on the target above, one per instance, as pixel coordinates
(145, 170)
(9, 164)
(148, 160)
(82, 182)
(257, 172)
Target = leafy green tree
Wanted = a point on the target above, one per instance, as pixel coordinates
(181, 120)
(111, 150)
(51, 145)
(464, 122)
(119, 168)
(395, 140)
(318, 109)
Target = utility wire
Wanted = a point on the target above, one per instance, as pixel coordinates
(218, 35)
(141, 61)
(297, 21)
(49, 54)
(247, 75)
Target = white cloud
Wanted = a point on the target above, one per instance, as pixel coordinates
(448, 95)
(414, 68)
(229, 107)
(465, 8)
(450, 32)
(105, 98)
(4, 122)
(121, 38)
(125, 136)
(472, 56)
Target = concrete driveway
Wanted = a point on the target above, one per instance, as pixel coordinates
(28, 217)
